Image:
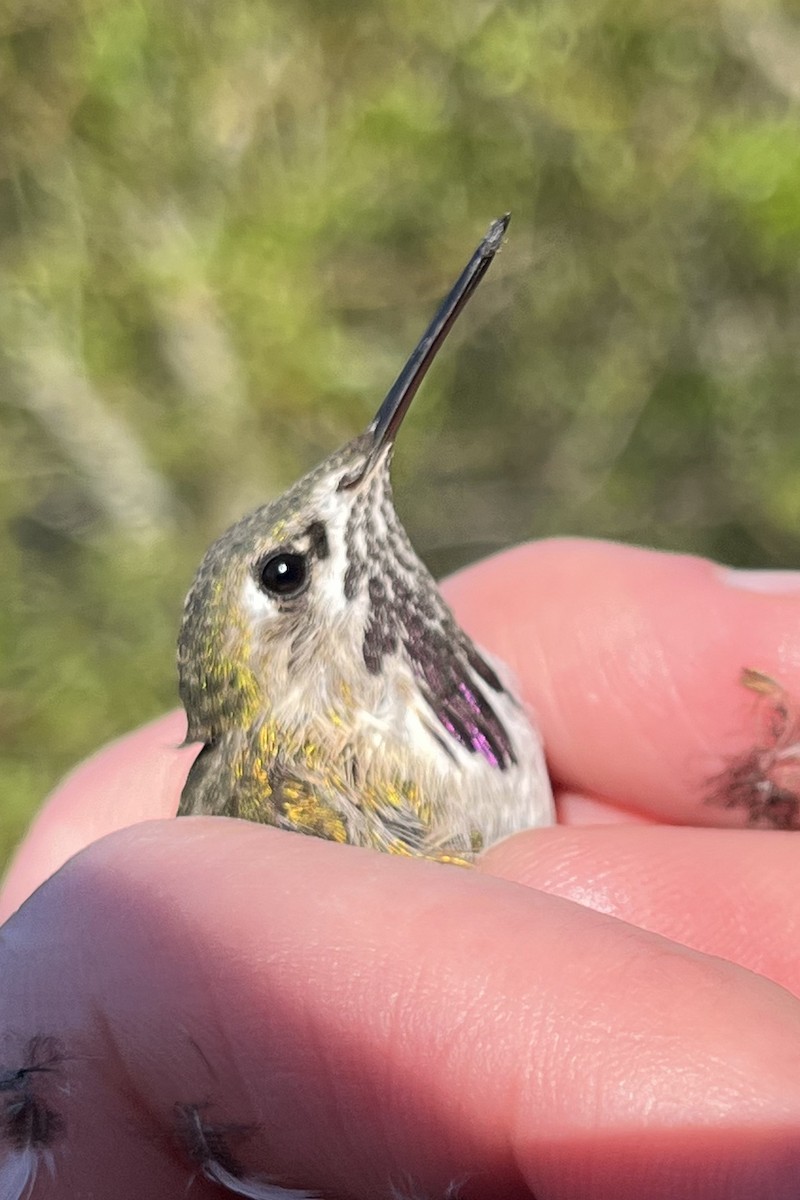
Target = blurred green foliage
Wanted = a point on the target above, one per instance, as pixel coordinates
(223, 226)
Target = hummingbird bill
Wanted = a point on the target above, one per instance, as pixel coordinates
(329, 684)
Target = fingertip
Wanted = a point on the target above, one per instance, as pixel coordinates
(712, 890)
(632, 662)
(135, 778)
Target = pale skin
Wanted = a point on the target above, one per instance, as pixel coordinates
(556, 1023)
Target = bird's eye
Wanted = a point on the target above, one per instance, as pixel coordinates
(284, 574)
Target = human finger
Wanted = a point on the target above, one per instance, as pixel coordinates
(729, 892)
(297, 1009)
(135, 778)
(632, 661)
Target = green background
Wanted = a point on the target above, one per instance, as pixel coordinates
(224, 225)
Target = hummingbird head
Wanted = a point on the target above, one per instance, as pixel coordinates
(314, 610)
(277, 615)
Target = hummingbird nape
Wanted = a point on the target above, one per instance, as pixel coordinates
(332, 690)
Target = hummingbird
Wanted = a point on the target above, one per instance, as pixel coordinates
(330, 686)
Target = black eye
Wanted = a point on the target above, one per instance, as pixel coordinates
(283, 574)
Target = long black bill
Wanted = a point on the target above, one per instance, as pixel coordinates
(390, 414)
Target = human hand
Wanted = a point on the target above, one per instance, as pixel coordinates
(552, 1024)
